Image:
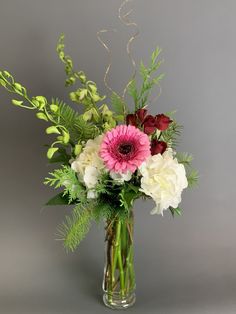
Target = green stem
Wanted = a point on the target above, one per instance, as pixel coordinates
(114, 261)
(131, 267)
(121, 269)
(127, 262)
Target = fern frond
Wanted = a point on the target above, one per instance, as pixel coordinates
(133, 91)
(66, 177)
(79, 129)
(85, 130)
(118, 104)
(75, 227)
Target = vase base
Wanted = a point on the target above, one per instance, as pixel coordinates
(119, 303)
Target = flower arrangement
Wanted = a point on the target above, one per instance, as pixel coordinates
(108, 157)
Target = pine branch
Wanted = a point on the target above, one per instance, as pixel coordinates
(192, 177)
(170, 136)
(184, 158)
(175, 211)
(75, 227)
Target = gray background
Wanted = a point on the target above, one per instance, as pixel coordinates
(185, 265)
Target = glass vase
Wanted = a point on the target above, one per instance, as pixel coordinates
(119, 275)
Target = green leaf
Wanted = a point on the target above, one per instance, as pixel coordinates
(59, 199)
(60, 158)
(128, 194)
(142, 94)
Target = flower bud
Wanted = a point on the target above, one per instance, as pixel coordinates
(78, 149)
(158, 147)
(51, 152)
(52, 130)
(41, 116)
(162, 122)
(54, 108)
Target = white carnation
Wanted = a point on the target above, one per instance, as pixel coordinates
(88, 164)
(164, 179)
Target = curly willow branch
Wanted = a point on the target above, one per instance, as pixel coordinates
(110, 56)
(126, 21)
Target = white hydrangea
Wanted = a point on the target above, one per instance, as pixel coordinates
(89, 165)
(120, 178)
(164, 179)
(92, 194)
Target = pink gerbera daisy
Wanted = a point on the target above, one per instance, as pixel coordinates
(124, 148)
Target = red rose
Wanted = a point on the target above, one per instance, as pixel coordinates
(131, 119)
(162, 122)
(158, 147)
(149, 125)
(141, 114)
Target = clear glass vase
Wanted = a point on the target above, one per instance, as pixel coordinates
(119, 276)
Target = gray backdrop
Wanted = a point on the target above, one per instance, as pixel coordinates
(185, 265)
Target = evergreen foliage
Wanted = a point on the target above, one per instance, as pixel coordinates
(175, 211)
(192, 174)
(171, 135)
(192, 177)
(184, 158)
